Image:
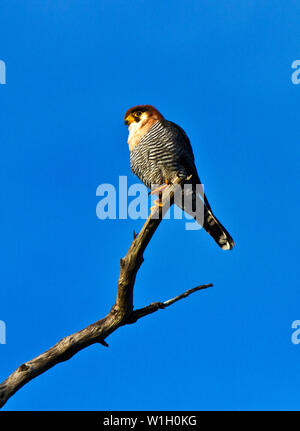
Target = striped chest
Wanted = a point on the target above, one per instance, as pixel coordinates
(152, 159)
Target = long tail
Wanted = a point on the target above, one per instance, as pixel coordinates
(216, 230)
(203, 214)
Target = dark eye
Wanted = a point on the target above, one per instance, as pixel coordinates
(138, 113)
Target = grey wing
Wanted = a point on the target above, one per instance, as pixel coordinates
(171, 151)
(187, 159)
(185, 152)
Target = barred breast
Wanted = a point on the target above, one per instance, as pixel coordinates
(163, 153)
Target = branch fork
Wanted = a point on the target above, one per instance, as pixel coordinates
(121, 313)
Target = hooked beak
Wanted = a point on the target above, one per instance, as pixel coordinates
(128, 120)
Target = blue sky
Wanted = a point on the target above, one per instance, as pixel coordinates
(222, 70)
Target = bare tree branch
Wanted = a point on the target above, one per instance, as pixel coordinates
(137, 314)
(121, 313)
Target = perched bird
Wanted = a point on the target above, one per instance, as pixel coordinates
(160, 151)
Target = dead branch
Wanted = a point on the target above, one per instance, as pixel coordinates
(121, 313)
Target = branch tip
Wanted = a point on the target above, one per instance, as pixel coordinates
(104, 343)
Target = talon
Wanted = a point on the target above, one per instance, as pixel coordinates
(160, 188)
(157, 203)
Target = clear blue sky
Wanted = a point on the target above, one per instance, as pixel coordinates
(222, 70)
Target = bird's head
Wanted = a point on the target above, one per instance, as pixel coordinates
(139, 119)
(141, 114)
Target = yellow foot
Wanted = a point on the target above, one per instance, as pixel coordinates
(157, 203)
(159, 189)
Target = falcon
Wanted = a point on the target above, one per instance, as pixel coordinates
(160, 151)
